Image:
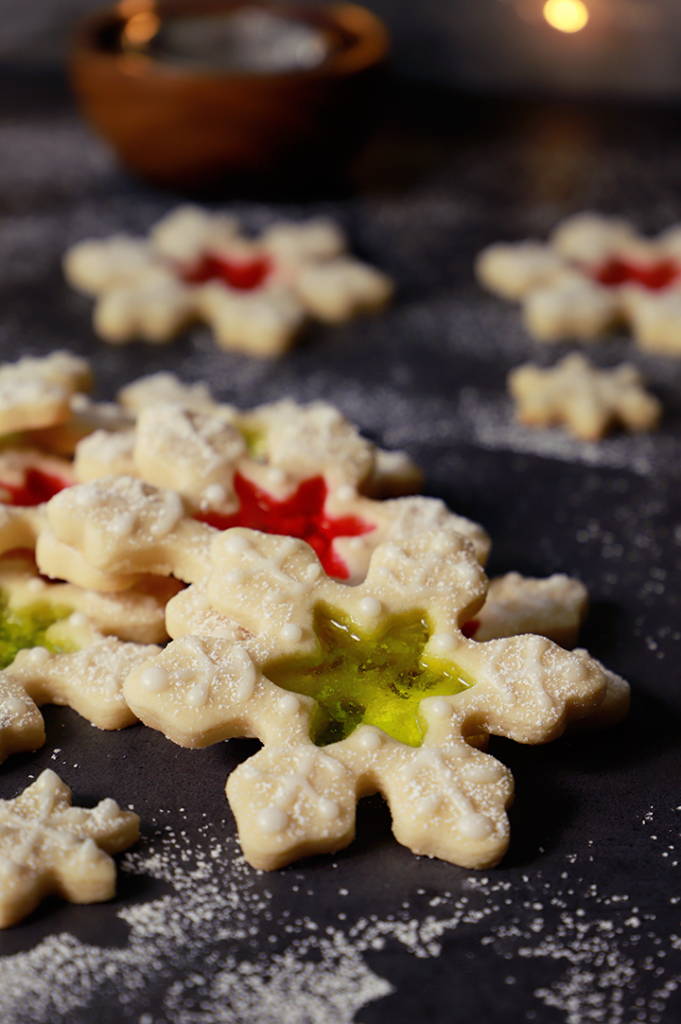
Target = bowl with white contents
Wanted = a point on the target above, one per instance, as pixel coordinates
(209, 96)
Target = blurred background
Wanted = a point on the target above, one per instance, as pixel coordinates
(573, 47)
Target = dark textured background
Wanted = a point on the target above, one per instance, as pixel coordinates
(580, 922)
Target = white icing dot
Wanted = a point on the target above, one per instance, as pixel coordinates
(197, 697)
(272, 820)
(328, 809)
(313, 570)
(35, 585)
(236, 543)
(275, 475)
(544, 701)
(39, 655)
(474, 826)
(442, 643)
(428, 805)
(440, 707)
(246, 685)
(155, 679)
(356, 543)
(370, 740)
(14, 706)
(89, 852)
(291, 633)
(77, 619)
(215, 494)
(241, 657)
(371, 607)
(346, 493)
(288, 704)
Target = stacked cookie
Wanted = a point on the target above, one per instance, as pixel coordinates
(307, 605)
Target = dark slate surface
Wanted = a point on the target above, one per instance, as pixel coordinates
(580, 922)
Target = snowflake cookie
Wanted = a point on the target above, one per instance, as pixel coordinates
(555, 607)
(354, 690)
(254, 293)
(586, 400)
(36, 391)
(594, 273)
(48, 847)
(57, 653)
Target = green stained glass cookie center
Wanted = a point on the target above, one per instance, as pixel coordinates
(26, 627)
(378, 680)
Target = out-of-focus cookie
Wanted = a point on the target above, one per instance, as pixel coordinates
(255, 294)
(587, 401)
(595, 273)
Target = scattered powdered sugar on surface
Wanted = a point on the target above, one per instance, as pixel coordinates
(217, 947)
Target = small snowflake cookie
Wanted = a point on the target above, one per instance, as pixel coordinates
(595, 273)
(48, 847)
(254, 293)
(354, 690)
(587, 401)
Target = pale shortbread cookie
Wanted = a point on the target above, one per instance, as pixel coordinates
(36, 391)
(101, 535)
(254, 293)
(48, 847)
(121, 527)
(272, 455)
(21, 724)
(555, 607)
(294, 797)
(86, 418)
(86, 672)
(585, 400)
(165, 388)
(136, 614)
(105, 453)
(595, 273)
(614, 707)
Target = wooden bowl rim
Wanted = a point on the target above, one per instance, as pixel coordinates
(368, 43)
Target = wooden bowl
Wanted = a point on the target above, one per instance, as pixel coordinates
(211, 132)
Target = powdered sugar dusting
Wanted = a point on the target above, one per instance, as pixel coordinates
(218, 949)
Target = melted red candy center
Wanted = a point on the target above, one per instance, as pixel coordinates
(653, 276)
(36, 488)
(302, 515)
(244, 275)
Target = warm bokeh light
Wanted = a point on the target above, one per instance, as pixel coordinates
(141, 28)
(566, 15)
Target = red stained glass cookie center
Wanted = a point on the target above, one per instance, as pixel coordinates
(244, 275)
(653, 276)
(302, 515)
(35, 488)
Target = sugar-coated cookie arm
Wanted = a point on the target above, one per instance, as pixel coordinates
(48, 847)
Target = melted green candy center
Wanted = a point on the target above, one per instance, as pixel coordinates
(27, 627)
(371, 680)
